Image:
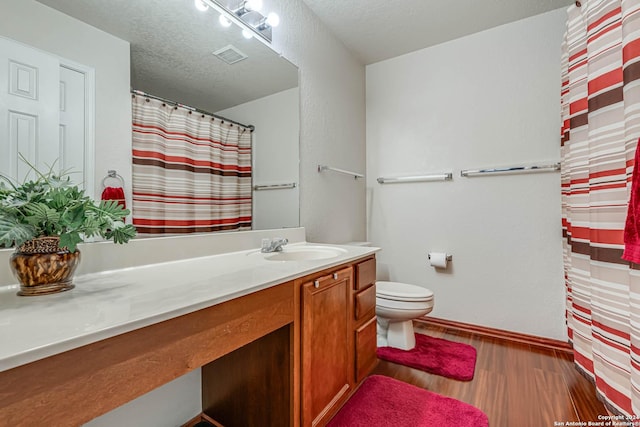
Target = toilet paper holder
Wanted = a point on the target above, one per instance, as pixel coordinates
(449, 257)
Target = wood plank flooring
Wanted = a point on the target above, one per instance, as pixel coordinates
(515, 384)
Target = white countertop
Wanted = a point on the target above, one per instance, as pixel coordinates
(110, 303)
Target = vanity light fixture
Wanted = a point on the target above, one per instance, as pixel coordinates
(201, 6)
(272, 20)
(246, 16)
(248, 6)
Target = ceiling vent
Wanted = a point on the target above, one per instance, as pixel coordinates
(230, 54)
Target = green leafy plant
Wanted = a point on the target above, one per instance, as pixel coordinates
(50, 205)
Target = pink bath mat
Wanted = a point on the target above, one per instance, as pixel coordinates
(386, 402)
(435, 355)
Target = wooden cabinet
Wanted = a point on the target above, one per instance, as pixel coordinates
(326, 345)
(288, 355)
(365, 274)
(365, 349)
(364, 319)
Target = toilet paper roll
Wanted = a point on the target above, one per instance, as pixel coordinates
(438, 259)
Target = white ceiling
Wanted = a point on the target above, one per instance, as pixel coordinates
(375, 30)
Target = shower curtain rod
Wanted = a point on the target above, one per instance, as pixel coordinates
(168, 101)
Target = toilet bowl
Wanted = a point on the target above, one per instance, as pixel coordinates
(397, 304)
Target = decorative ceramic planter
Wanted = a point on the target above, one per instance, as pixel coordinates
(42, 267)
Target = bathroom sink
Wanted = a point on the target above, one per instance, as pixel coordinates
(304, 253)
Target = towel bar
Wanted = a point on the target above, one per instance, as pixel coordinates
(512, 170)
(274, 186)
(447, 176)
(355, 175)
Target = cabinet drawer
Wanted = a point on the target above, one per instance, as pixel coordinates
(366, 346)
(365, 274)
(365, 302)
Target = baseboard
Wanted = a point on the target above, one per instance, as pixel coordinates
(499, 333)
(200, 418)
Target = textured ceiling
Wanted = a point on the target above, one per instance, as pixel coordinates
(375, 30)
(171, 42)
(171, 52)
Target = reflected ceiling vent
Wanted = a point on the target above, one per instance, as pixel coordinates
(230, 54)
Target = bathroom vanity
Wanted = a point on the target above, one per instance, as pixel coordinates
(281, 341)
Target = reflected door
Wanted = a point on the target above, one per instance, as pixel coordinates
(42, 113)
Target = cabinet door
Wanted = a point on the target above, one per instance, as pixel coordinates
(366, 346)
(326, 346)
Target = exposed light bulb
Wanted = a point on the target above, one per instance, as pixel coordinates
(273, 19)
(246, 34)
(255, 5)
(201, 6)
(224, 21)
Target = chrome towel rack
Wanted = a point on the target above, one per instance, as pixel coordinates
(512, 170)
(355, 175)
(447, 176)
(275, 186)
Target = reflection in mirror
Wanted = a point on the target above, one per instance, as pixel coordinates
(172, 47)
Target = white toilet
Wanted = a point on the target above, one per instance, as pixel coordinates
(397, 304)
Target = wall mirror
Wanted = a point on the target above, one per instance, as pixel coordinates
(172, 56)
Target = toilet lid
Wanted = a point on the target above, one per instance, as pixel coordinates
(402, 292)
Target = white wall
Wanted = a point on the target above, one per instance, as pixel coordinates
(332, 124)
(44, 28)
(275, 156)
(171, 405)
(332, 131)
(489, 99)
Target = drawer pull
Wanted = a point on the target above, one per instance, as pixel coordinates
(335, 276)
(316, 283)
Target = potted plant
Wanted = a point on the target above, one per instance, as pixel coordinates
(45, 218)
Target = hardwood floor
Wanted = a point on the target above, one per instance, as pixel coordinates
(515, 384)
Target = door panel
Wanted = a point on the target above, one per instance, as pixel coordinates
(29, 97)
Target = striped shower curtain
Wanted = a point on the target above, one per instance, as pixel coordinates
(191, 171)
(600, 130)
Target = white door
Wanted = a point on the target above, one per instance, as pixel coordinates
(42, 114)
(29, 105)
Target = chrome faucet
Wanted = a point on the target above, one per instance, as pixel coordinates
(273, 245)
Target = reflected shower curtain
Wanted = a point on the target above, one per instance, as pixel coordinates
(191, 171)
(600, 130)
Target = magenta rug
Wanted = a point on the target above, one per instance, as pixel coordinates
(382, 401)
(435, 355)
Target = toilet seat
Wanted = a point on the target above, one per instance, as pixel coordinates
(403, 305)
(396, 291)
